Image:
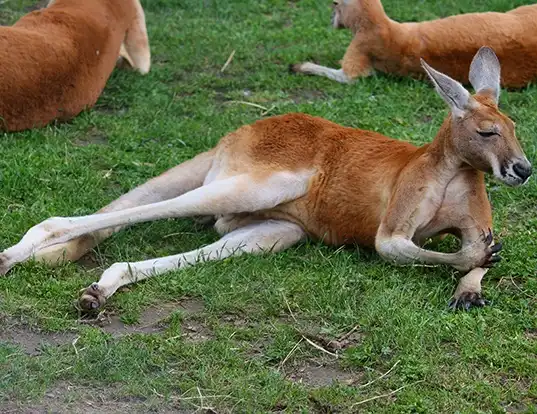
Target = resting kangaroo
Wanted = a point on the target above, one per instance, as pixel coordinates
(55, 62)
(447, 44)
(279, 180)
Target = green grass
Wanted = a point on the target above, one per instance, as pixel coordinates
(480, 361)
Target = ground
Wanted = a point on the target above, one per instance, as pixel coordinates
(313, 329)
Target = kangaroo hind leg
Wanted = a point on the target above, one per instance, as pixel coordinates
(176, 181)
(236, 194)
(267, 236)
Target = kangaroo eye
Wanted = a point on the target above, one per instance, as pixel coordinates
(487, 134)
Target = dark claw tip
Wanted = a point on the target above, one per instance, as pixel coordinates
(495, 259)
(496, 248)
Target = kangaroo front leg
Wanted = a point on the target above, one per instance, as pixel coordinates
(267, 236)
(401, 250)
(354, 64)
(242, 193)
(468, 292)
(309, 68)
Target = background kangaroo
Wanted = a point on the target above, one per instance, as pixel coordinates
(279, 180)
(448, 44)
(55, 62)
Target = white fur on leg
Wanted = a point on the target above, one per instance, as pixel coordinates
(471, 282)
(236, 194)
(314, 69)
(267, 236)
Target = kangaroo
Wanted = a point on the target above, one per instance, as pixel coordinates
(275, 182)
(448, 44)
(55, 62)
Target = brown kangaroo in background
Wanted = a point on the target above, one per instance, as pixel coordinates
(275, 182)
(448, 44)
(55, 62)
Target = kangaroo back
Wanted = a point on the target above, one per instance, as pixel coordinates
(55, 62)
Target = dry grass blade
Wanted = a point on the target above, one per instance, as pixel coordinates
(376, 397)
(291, 352)
(319, 347)
(289, 308)
(228, 61)
(249, 104)
(382, 376)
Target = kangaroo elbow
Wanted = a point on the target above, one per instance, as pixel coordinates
(391, 250)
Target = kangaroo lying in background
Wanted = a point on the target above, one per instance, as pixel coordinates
(279, 180)
(447, 44)
(55, 62)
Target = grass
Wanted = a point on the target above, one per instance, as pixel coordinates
(247, 359)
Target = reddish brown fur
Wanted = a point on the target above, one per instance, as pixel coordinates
(447, 44)
(357, 172)
(55, 62)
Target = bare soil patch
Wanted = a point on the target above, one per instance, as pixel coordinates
(93, 137)
(32, 341)
(153, 320)
(306, 96)
(321, 373)
(66, 398)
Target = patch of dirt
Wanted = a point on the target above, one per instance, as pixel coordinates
(196, 332)
(321, 373)
(151, 320)
(531, 334)
(33, 341)
(236, 320)
(517, 407)
(66, 398)
(108, 109)
(306, 96)
(92, 137)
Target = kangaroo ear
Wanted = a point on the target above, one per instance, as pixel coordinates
(135, 48)
(485, 73)
(451, 91)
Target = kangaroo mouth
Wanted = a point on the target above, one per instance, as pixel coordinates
(515, 173)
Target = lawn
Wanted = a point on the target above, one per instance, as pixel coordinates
(313, 329)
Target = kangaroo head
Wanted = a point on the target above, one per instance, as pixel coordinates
(343, 13)
(481, 135)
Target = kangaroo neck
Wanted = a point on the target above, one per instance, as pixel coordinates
(367, 15)
(442, 156)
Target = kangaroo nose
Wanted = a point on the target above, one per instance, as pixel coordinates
(523, 170)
